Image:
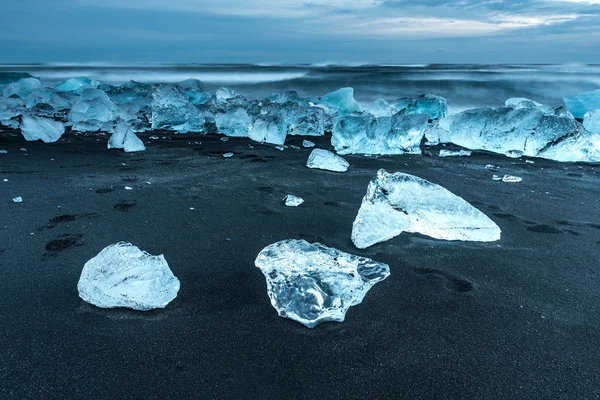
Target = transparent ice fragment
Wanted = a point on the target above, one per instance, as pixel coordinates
(341, 101)
(514, 154)
(399, 202)
(511, 179)
(307, 144)
(234, 123)
(591, 121)
(434, 106)
(228, 155)
(266, 129)
(312, 283)
(324, 159)
(293, 201)
(124, 138)
(455, 153)
(44, 129)
(580, 104)
(73, 84)
(172, 110)
(122, 275)
(18, 199)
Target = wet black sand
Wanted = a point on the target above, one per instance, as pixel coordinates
(516, 319)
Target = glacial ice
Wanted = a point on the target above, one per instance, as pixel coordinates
(265, 129)
(380, 108)
(580, 104)
(455, 153)
(340, 102)
(224, 94)
(172, 110)
(511, 179)
(293, 201)
(313, 283)
(399, 134)
(79, 83)
(22, 88)
(526, 130)
(124, 138)
(122, 275)
(400, 202)
(522, 102)
(434, 106)
(44, 129)
(234, 123)
(591, 121)
(324, 159)
(93, 111)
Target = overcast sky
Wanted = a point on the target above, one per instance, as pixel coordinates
(300, 31)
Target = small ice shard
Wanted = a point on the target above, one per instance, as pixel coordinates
(122, 275)
(399, 202)
(280, 148)
(496, 177)
(17, 199)
(293, 201)
(341, 101)
(455, 153)
(530, 161)
(172, 110)
(324, 159)
(128, 188)
(224, 139)
(492, 167)
(313, 283)
(44, 129)
(514, 154)
(228, 155)
(307, 144)
(580, 104)
(511, 179)
(23, 149)
(3, 151)
(124, 138)
(591, 121)
(435, 107)
(365, 134)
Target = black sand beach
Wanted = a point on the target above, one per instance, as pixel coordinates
(515, 319)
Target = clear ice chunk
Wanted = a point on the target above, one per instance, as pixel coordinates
(44, 129)
(340, 102)
(522, 102)
(307, 144)
(591, 121)
(365, 134)
(234, 122)
(293, 201)
(122, 275)
(400, 202)
(266, 129)
(511, 179)
(172, 110)
(324, 159)
(455, 153)
(580, 104)
(22, 88)
(313, 283)
(380, 108)
(79, 83)
(223, 94)
(435, 107)
(124, 138)
(93, 111)
(17, 199)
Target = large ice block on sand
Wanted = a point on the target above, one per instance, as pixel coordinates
(340, 102)
(313, 283)
(527, 130)
(267, 129)
(366, 134)
(124, 138)
(44, 129)
(122, 275)
(399, 202)
(580, 104)
(172, 110)
(324, 159)
(93, 111)
(434, 106)
(234, 122)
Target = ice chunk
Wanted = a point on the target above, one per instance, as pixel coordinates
(308, 121)
(455, 153)
(266, 129)
(511, 179)
(17, 199)
(234, 123)
(527, 130)
(514, 154)
(38, 128)
(80, 83)
(365, 134)
(10, 107)
(93, 111)
(434, 106)
(191, 84)
(341, 101)
(323, 159)
(3, 151)
(122, 275)
(399, 202)
(22, 88)
(289, 96)
(380, 108)
(522, 102)
(124, 138)
(172, 110)
(293, 201)
(313, 283)
(224, 94)
(307, 144)
(591, 121)
(580, 104)
(228, 155)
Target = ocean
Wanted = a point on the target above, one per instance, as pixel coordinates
(464, 86)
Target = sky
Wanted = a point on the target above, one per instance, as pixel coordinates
(300, 31)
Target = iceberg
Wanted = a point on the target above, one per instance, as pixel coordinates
(591, 121)
(122, 275)
(293, 201)
(340, 102)
(365, 134)
(44, 129)
(580, 104)
(124, 138)
(172, 110)
(313, 283)
(324, 159)
(400, 202)
(434, 106)
(527, 131)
